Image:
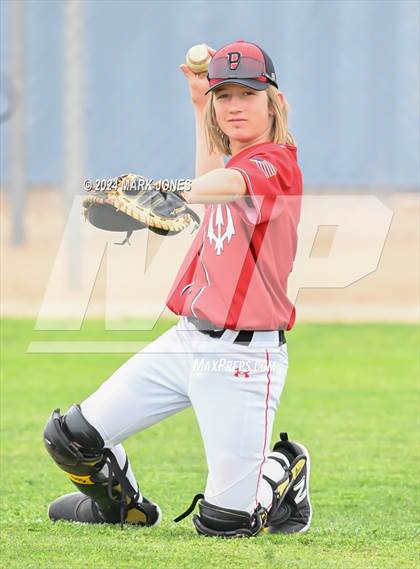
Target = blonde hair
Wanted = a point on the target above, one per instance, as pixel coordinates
(218, 141)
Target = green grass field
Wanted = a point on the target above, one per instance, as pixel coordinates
(351, 397)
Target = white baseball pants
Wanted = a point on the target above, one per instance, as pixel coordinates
(233, 389)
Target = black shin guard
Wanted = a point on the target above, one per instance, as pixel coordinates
(215, 521)
(78, 449)
(225, 522)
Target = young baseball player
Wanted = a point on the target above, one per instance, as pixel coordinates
(227, 356)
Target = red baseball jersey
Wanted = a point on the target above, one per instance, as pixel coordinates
(236, 270)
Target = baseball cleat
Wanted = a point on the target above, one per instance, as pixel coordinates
(294, 514)
(78, 507)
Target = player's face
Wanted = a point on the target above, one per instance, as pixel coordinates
(243, 115)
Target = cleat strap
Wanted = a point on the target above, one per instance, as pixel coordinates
(190, 509)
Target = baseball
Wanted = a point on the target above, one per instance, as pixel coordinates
(198, 58)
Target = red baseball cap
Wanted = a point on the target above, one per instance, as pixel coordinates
(242, 63)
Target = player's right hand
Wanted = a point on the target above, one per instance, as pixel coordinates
(197, 83)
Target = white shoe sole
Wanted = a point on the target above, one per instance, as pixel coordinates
(157, 522)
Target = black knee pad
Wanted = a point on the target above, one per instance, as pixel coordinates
(224, 522)
(78, 449)
(73, 443)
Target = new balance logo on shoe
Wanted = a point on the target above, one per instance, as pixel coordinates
(300, 488)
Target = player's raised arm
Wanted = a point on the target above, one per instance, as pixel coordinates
(198, 85)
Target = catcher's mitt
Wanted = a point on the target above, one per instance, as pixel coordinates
(132, 202)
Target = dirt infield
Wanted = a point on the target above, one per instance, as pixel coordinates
(390, 293)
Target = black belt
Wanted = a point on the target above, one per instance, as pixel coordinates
(243, 337)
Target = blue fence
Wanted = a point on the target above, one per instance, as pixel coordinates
(350, 70)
